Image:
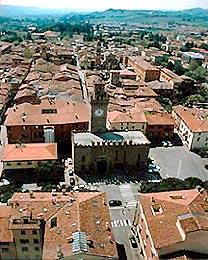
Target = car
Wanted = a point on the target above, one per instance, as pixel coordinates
(169, 144)
(72, 181)
(154, 167)
(114, 203)
(133, 242)
(71, 173)
(151, 159)
(150, 170)
(164, 144)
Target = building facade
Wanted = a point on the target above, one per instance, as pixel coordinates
(43, 226)
(100, 151)
(192, 126)
(173, 225)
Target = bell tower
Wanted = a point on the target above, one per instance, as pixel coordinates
(99, 106)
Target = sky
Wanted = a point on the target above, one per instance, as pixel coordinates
(106, 4)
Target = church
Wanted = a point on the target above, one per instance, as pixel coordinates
(99, 151)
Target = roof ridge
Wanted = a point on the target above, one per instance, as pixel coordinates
(9, 152)
(194, 199)
(57, 210)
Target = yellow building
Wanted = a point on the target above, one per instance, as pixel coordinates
(28, 156)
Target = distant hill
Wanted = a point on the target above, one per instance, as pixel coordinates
(197, 15)
(19, 11)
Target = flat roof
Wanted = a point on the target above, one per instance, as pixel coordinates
(88, 138)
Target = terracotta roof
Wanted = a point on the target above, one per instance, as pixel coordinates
(80, 212)
(126, 72)
(196, 119)
(59, 112)
(5, 233)
(30, 152)
(148, 105)
(142, 63)
(132, 115)
(183, 207)
(159, 119)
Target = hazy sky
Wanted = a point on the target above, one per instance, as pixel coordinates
(105, 4)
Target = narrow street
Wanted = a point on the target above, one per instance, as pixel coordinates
(82, 79)
(3, 142)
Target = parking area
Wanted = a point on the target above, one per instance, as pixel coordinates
(179, 162)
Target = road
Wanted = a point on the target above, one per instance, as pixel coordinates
(82, 79)
(4, 141)
(122, 217)
(179, 162)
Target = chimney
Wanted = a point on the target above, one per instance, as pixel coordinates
(32, 195)
(115, 77)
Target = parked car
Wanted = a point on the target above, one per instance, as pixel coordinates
(167, 144)
(72, 181)
(133, 242)
(151, 159)
(71, 173)
(114, 203)
(153, 168)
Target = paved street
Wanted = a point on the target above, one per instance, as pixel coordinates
(179, 162)
(122, 217)
(4, 141)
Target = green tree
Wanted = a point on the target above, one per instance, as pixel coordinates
(194, 99)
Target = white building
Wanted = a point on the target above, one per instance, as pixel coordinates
(192, 126)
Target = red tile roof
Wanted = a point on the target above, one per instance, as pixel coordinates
(183, 206)
(196, 119)
(84, 211)
(30, 152)
(68, 112)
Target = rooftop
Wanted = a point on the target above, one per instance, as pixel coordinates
(54, 112)
(195, 118)
(81, 224)
(136, 137)
(142, 63)
(30, 152)
(181, 213)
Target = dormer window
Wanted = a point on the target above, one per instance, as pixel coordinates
(49, 111)
(157, 209)
(177, 197)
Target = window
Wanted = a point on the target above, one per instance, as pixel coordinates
(29, 163)
(23, 232)
(5, 249)
(53, 222)
(116, 157)
(49, 111)
(24, 249)
(133, 127)
(34, 232)
(83, 158)
(24, 241)
(8, 163)
(198, 139)
(138, 157)
(124, 156)
(157, 209)
(37, 248)
(19, 163)
(25, 221)
(36, 241)
(206, 138)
